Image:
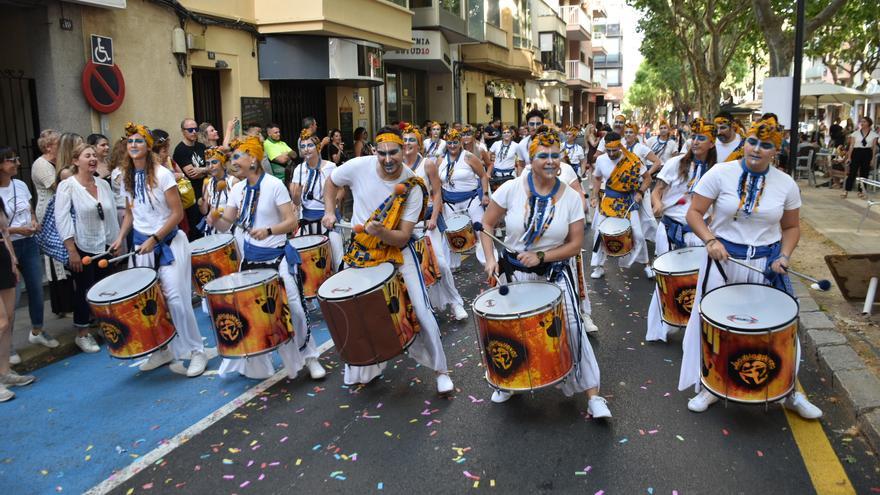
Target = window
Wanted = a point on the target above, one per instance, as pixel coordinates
(552, 51)
(417, 4)
(522, 25)
(402, 3)
(493, 12)
(369, 61)
(613, 77)
(451, 6)
(612, 29)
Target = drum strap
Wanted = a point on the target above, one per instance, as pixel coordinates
(452, 198)
(745, 252)
(675, 232)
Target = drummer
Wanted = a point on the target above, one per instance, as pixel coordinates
(625, 178)
(671, 200)
(153, 210)
(755, 219)
(502, 154)
(435, 145)
(728, 143)
(214, 195)
(260, 206)
(663, 145)
(545, 225)
(387, 237)
(573, 153)
(465, 187)
(307, 191)
(443, 293)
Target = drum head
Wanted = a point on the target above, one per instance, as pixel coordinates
(685, 260)
(121, 285)
(307, 241)
(353, 281)
(523, 298)
(239, 280)
(457, 222)
(748, 307)
(210, 242)
(614, 226)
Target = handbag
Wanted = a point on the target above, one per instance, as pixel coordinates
(48, 239)
(187, 193)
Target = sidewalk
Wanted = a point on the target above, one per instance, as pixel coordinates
(37, 356)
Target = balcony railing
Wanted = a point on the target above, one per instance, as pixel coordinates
(576, 18)
(600, 81)
(577, 70)
(598, 7)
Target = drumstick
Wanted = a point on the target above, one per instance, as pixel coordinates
(218, 187)
(106, 263)
(87, 260)
(822, 285)
(479, 228)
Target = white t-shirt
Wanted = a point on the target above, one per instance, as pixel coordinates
(522, 150)
(434, 149)
(17, 201)
(272, 195)
(723, 150)
(513, 197)
(463, 176)
(575, 153)
(301, 176)
(676, 189)
(640, 150)
(151, 213)
(760, 228)
(505, 155)
(369, 190)
(116, 186)
(870, 139)
(663, 149)
(89, 232)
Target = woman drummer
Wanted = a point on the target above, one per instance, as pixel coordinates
(443, 293)
(153, 211)
(545, 225)
(465, 187)
(216, 189)
(754, 219)
(261, 207)
(671, 199)
(307, 192)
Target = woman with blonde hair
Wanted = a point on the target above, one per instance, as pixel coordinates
(66, 144)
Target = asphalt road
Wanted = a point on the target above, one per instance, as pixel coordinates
(396, 435)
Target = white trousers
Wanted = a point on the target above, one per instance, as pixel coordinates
(426, 349)
(443, 293)
(639, 253)
(473, 209)
(657, 329)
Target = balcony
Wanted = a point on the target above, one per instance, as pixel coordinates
(599, 84)
(578, 24)
(598, 7)
(496, 36)
(551, 23)
(577, 74)
(453, 25)
(597, 44)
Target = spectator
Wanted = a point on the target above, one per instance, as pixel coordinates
(361, 146)
(862, 147)
(117, 158)
(95, 228)
(312, 125)
(43, 170)
(492, 132)
(189, 155)
(591, 143)
(523, 133)
(102, 151)
(208, 135)
(836, 134)
(280, 155)
(335, 149)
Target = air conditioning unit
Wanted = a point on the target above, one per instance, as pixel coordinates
(195, 42)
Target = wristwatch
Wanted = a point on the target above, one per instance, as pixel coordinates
(269, 230)
(540, 255)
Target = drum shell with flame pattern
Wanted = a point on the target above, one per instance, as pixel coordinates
(317, 263)
(211, 264)
(250, 320)
(676, 293)
(524, 351)
(462, 238)
(617, 243)
(427, 259)
(136, 325)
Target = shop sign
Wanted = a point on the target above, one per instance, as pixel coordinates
(426, 45)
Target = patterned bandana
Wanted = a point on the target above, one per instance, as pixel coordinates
(544, 138)
(215, 152)
(767, 130)
(132, 129)
(250, 145)
(703, 127)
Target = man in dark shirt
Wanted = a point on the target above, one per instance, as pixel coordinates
(492, 132)
(189, 155)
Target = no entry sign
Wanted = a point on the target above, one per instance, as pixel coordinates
(103, 86)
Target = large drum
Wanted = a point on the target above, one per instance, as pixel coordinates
(249, 312)
(676, 277)
(523, 336)
(317, 261)
(131, 313)
(616, 235)
(368, 313)
(427, 259)
(749, 342)
(460, 233)
(580, 274)
(213, 256)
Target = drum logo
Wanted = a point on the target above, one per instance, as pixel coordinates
(115, 333)
(751, 320)
(230, 328)
(458, 241)
(505, 355)
(204, 273)
(753, 369)
(685, 298)
(613, 245)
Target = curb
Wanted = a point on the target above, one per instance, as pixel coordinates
(849, 376)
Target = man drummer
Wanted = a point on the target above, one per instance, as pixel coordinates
(728, 144)
(663, 145)
(260, 206)
(534, 119)
(387, 237)
(626, 179)
(503, 157)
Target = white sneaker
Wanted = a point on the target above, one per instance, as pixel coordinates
(6, 394)
(799, 403)
(702, 401)
(159, 358)
(598, 407)
(459, 311)
(444, 384)
(14, 358)
(500, 396)
(589, 326)
(42, 339)
(13, 379)
(197, 364)
(598, 273)
(316, 371)
(649, 272)
(87, 344)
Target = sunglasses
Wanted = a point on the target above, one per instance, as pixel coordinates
(453, 143)
(386, 154)
(101, 211)
(700, 138)
(467, 133)
(191, 129)
(410, 140)
(544, 156)
(14, 159)
(534, 124)
(306, 146)
(764, 145)
(136, 141)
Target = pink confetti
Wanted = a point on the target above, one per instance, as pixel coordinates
(147, 486)
(725, 432)
(246, 483)
(262, 477)
(600, 492)
(760, 454)
(283, 440)
(228, 476)
(471, 476)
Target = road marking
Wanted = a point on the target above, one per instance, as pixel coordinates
(154, 455)
(826, 471)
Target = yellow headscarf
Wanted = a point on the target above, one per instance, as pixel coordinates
(306, 135)
(250, 145)
(663, 122)
(703, 127)
(544, 137)
(389, 137)
(132, 129)
(633, 126)
(722, 121)
(452, 135)
(767, 130)
(408, 128)
(215, 152)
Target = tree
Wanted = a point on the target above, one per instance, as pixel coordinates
(648, 96)
(849, 44)
(776, 19)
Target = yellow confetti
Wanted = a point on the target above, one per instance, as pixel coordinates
(343, 407)
(130, 491)
(299, 461)
(234, 451)
(44, 472)
(90, 447)
(388, 433)
(476, 484)
(413, 421)
(88, 458)
(492, 483)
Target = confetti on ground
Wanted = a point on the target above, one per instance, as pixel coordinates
(471, 476)
(760, 454)
(681, 438)
(623, 440)
(725, 432)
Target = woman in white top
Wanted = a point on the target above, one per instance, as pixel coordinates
(443, 293)
(215, 192)
(672, 198)
(43, 172)
(502, 156)
(754, 219)
(153, 212)
(261, 207)
(862, 148)
(545, 225)
(307, 192)
(88, 232)
(470, 144)
(435, 146)
(465, 187)
(573, 153)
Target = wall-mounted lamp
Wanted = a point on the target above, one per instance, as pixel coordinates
(221, 64)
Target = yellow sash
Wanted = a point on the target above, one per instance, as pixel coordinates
(625, 178)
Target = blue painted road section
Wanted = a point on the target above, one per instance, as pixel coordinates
(90, 415)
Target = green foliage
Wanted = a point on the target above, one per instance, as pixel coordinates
(849, 43)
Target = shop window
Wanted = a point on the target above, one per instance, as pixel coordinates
(451, 6)
(369, 62)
